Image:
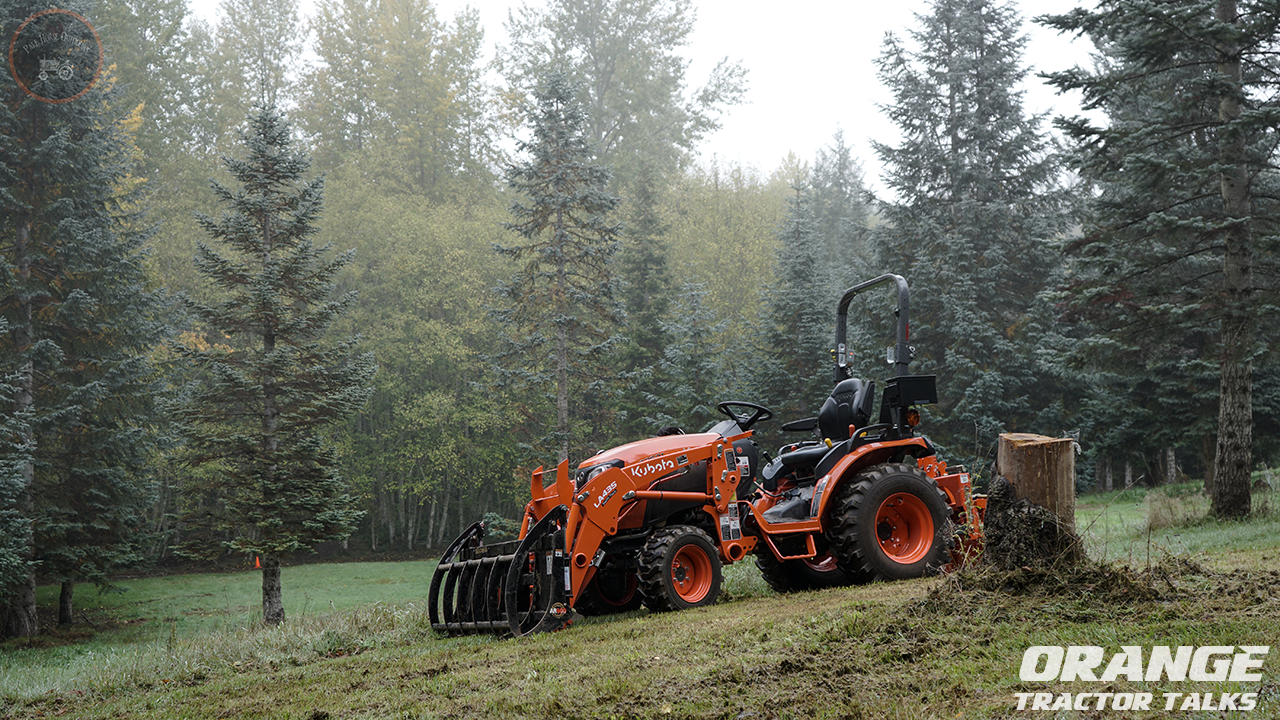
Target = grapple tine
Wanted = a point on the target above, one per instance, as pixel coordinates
(536, 596)
(441, 610)
(493, 592)
(466, 581)
(517, 588)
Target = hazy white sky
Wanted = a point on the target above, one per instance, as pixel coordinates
(810, 68)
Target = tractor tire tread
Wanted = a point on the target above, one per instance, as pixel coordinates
(788, 576)
(851, 510)
(593, 604)
(653, 561)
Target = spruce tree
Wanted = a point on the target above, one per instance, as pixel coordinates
(971, 225)
(1183, 232)
(692, 374)
(794, 373)
(560, 308)
(93, 482)
(647, 296)
(79, 321)
(840, 211)
(274, 384)
(15, 517)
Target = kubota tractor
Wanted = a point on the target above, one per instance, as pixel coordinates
(655, 521)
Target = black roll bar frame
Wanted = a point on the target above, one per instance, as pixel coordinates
(902, 351)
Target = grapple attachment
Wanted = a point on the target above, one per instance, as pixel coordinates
(510, 588)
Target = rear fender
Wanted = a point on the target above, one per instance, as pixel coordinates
(860, 458)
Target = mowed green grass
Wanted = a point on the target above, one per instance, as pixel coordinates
(164, 616)
(358, 644)
(1139, 526)
(186, 604)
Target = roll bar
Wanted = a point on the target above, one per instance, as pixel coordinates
(902, 352)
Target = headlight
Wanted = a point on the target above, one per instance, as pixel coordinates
(586, 475)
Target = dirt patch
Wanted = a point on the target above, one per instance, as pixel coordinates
(1019, 533)
(1107, 585)
(1096, 581)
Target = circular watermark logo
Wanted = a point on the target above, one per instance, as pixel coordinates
(55, 56)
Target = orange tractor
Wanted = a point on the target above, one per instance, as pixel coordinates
(653, 522)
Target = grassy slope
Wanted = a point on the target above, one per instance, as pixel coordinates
(929, 648)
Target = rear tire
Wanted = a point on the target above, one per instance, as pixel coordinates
(679, 569)
(614, 588)
(786, 576)
(891, 522)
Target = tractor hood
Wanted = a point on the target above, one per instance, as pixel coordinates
(635, 452)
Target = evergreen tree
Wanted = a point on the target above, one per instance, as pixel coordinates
(80, 320)
(840, 211)
(1183, 230)
(560, 306)
(93, 481)
(275, 386)
(692, 370)
(794, 374)
(643, 264)
(976, 208)
(15, 517)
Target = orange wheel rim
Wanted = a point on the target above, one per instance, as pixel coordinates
(904, 528)
(822, 563)
(691, 574)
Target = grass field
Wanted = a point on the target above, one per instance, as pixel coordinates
(1142, 525)
(357, 644)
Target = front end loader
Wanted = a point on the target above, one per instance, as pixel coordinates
(653, 522)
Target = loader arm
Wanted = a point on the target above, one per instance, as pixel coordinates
(599, 505)
(530, 584)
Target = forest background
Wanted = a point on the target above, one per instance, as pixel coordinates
(726, 275)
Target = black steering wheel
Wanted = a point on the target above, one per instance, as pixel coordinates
(745, 420)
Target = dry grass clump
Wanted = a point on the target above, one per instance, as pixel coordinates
(1165, 509)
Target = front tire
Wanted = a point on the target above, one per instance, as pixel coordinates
(891, 522)
(679, 569)
(614, 588)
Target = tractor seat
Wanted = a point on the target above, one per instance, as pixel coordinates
(850, 403)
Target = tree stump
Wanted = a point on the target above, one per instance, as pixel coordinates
(1030, 516)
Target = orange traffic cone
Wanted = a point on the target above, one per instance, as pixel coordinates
(257, 563)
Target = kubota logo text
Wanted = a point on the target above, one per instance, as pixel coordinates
(653, 467)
